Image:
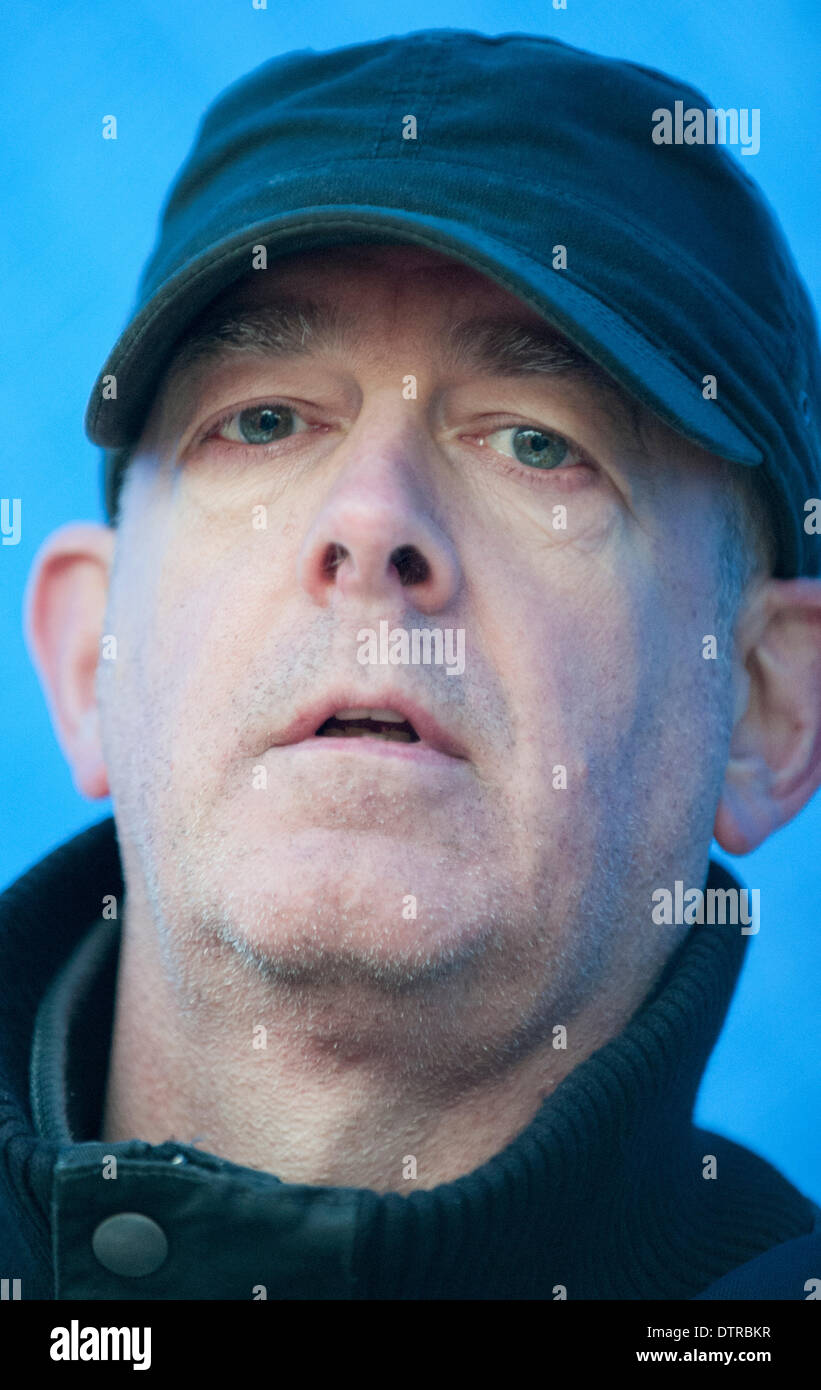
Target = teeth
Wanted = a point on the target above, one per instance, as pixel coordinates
(399, 737)
(384, 716)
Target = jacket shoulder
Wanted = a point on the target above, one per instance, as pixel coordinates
(16, 1260)
(791, 1270)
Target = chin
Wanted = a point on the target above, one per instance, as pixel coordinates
(379, 911)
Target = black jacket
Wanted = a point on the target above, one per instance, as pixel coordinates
(601, 1196)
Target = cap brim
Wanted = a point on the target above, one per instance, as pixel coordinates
(645, 369)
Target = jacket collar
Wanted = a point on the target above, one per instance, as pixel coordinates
(602, 1195)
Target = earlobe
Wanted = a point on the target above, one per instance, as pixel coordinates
(64, 610)
(774, 766)
(747, 812)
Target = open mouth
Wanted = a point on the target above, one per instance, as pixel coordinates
(368, 723)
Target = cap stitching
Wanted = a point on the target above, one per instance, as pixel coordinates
(426, 237)
(213, 264)
(699, 272)
(798, 556)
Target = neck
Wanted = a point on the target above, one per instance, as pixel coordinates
(603, 1194)
(331, 1086)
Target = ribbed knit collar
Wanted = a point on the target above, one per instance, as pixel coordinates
(603, 1195)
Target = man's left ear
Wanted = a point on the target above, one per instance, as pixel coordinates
(64, 611)
(774, 765)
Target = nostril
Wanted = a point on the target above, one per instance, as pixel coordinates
(332, 559)
(411, 565)
(408, 561)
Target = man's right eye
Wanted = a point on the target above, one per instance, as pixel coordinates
(259, 424)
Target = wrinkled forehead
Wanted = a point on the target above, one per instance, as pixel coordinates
(341, 286)
(329, 299)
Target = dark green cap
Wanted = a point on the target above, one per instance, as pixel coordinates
(675, 269)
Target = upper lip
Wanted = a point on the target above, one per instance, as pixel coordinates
(430, 731)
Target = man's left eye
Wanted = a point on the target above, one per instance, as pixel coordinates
(260, 424)
(535, 448)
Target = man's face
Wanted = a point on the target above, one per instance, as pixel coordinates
(280, 504)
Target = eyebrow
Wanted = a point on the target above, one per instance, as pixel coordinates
(289, 328)
(494, 346)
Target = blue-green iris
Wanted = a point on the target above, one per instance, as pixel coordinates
(539, 449)
(262, 424)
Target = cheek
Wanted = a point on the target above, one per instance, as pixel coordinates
(609, 692)
(571, 642)
(178, 617)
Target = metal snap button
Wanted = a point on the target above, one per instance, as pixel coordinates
(130, 1244)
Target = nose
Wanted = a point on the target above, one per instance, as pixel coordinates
(375, 534)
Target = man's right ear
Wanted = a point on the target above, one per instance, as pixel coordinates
(64, 609)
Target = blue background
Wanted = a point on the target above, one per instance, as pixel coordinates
(79, 219)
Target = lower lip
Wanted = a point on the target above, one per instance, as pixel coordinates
(420, 753)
